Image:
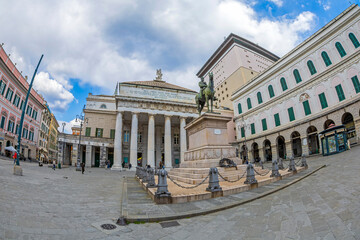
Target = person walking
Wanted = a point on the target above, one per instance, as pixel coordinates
(54, 165)
(82, 167)
(15, 157)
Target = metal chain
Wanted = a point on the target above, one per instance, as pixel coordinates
(230, 180)
(297, 163)
(260, 173)
(177, 184)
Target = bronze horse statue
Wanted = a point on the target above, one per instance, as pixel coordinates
(206, 93)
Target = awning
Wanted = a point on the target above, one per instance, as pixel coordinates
(43, 149)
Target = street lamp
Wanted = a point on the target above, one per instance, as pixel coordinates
(80, 118)
(63, 150)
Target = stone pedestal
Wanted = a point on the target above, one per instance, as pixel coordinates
(17, 170)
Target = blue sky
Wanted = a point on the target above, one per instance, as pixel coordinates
(88, 46)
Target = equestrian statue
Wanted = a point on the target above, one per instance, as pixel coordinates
(206, 93)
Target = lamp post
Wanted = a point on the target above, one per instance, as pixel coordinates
(80, 118)
(63, 150)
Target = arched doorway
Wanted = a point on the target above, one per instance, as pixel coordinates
(281, 147)
(267, 150)
(313, 140)
(328, 123)
(348, 120)
(8, 143)
(255, 151)
(296, 144)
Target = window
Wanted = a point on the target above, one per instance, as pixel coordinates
(34, 114)
(252, 128)
(25, 133)
(103, 106)
(87, 132)
(326, 59)
(271, 91)
(323, 101)
(340, 92)
(297, 76)
(112, 133)
(311, 67)
(277, 119)
(139, 137)
(259, 97)
(283, 84)
(340, 49)
(307, 107)
(239, 108)
(356, 83)
(17, 129)
(10, 126)
(242, 132)
(28, 110)
(126, 136)
(291, 114)
(16, 100)
(264, 125)
(9, 94)
(2, 87)
(249, 103)
(2, 124)
(354, 40)
(176, 138)
(99, 132)
(31, 136)
(22, 105)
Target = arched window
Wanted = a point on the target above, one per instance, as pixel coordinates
(297, 76)
(283, 84)
(259, 97)
(354, 40)
(340, 49)
(239, 108)
(326, 58)
(103, 106)
(249, 103)
(311, 67)
(271, 91)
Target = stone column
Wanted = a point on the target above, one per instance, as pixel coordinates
(74, 154)
(289, 151)
(133, 140)
(274, 152)
(158, 141)
(305, 148)
(118, 143)
(357, 128)
(88, 155)
(182, 139)
(103, 156)
(167, 142)
(151, 141)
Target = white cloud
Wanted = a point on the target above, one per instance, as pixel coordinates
(324, 4)
(278, 3)
(68, 126)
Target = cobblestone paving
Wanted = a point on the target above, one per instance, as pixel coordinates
(63, 204)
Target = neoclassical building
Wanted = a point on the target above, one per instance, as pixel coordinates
(141, 123)
(281, 112)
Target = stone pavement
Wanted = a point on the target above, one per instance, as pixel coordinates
(63, 204)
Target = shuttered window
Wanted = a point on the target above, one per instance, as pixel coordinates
(112, 133)
(239, 108)
(252, 128)
(311, 67)
(259, 97)
(291, 114)
(340, 92)
(340, 49)
(356, 83)
(283, 84)
(242, 132)
(354, 40)
(297, 76)
(249, 103)
(87, 132)
(326, 59)
(277, 119)
(323, 101)
(307, 109)
(271, 91)
(264, 125)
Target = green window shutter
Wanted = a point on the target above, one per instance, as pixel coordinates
(307, 107)
(252, 128)
(112, 133)
(297, 76)
(291, 114)
(271, 91)
(88, 131)
(239, 108)
(340, 92)
(259, 98)
(2, 88)
(242, 132)
(283, 84)
(323, 101)
(264, 125)
(354, 40)
(311, 67)
(356, 83)
(101, 132)
(277, 120)
(249, 103)
(326, 59)
(340, 49)
(2, 122)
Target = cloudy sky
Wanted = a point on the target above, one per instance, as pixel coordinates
(88, 46)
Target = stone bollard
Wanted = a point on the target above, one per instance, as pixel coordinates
(162, 187)
(280, 164)
(275, 169)
(250, 175)
(146, 175)
(292, 167)
(137, 171)
(303, 161)
(141, 173)
(151, 178)
(261, 164)
(213, 181)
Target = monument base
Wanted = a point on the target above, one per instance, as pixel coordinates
(18, 170)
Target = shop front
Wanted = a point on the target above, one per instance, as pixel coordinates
(334, 140)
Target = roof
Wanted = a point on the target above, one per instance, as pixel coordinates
(229, 41)
(159, 84)
(332, 129)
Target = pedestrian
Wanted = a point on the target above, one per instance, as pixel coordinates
(54, 165)
(129, 166)
(82, 164)
(15, 157)
(123, 164)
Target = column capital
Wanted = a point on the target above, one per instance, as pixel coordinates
(168, 115)
(135, 113)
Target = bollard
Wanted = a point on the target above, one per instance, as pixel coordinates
(151, 178)
(261, 164)
(137, 171)
(213, 181)
(280, 164)
(141, 173)
(250, 175)
(275, 169)
(162, 187)
(146, 175)
(292, 167)
(303, 161)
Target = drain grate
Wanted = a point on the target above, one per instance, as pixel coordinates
(169, 224)
(108, 226)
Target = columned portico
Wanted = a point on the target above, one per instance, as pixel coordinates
(182, 139)
(133, 139)
(167, 142)
(118, 142)
(151, 141)
(158, 138)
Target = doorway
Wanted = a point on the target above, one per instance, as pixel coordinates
(97, 157)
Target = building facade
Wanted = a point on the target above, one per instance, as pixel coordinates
(13, 90)
(53, 138)
(44, 133)
(316, 85)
